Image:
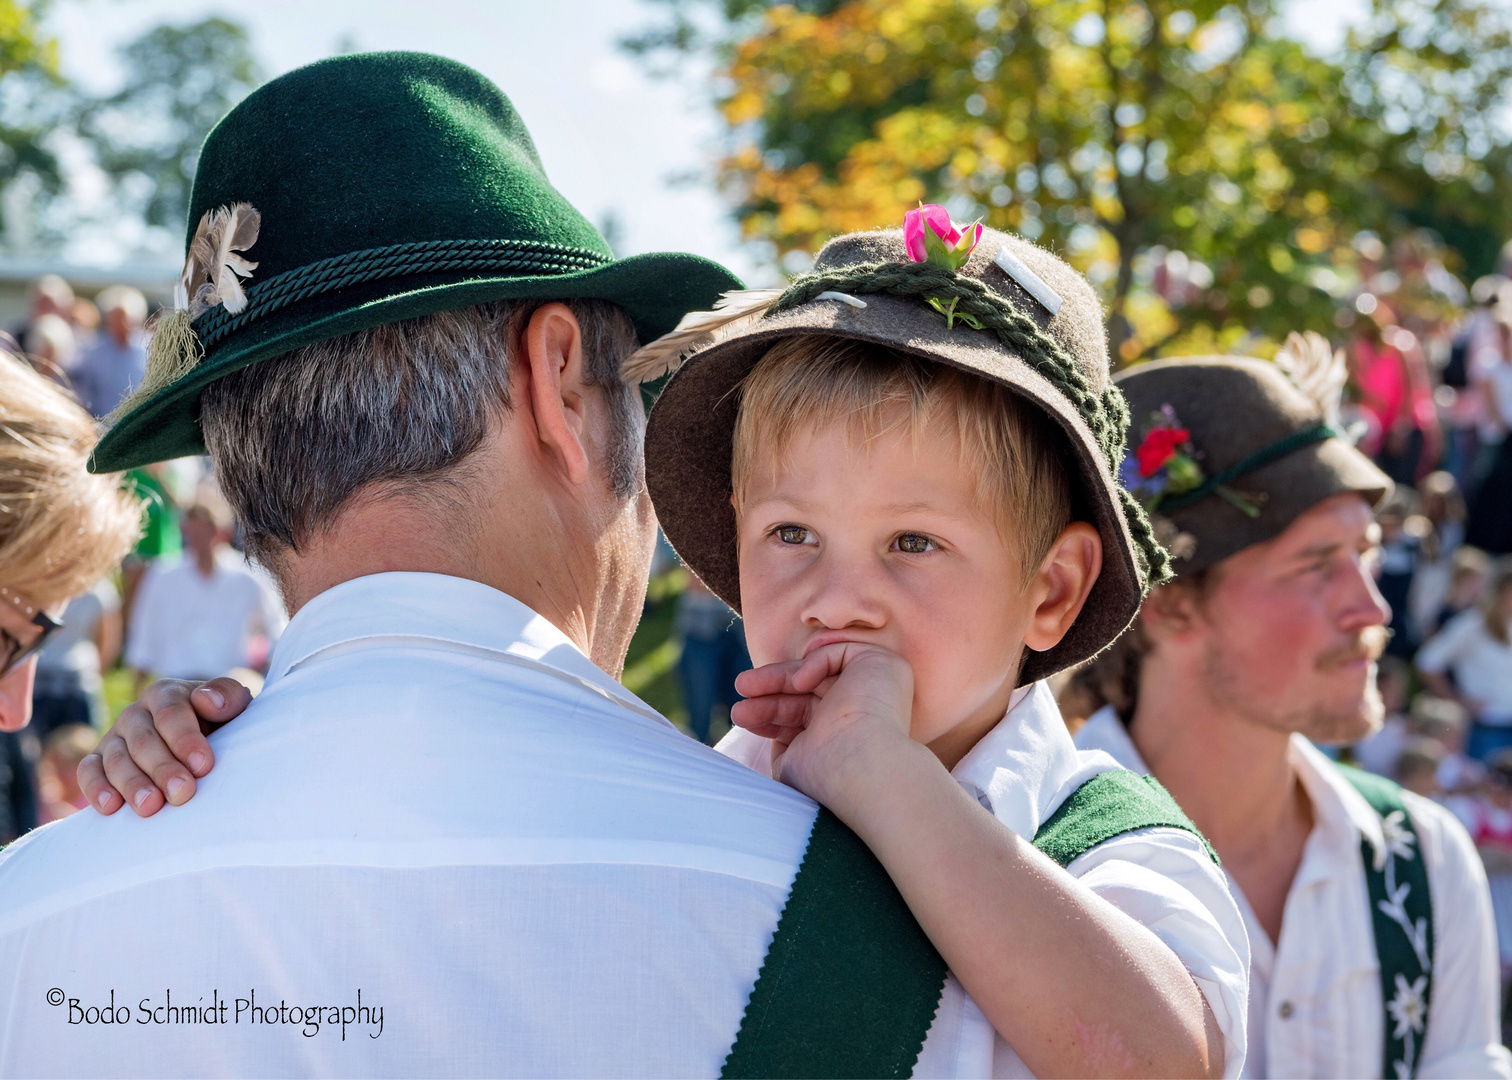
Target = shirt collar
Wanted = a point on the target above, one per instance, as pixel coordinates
(1023, 768)
(452, 611)
(1106, 732)
(1341, 816)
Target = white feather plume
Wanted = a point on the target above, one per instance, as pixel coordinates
(213, 271)
(1315, 369)
(696, 330)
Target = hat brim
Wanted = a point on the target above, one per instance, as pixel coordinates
(656, 290)
(690, 436)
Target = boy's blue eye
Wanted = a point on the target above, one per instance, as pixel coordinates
(914, 544)
(792, 534)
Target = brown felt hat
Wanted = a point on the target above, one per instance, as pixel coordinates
(690, 433)
(1243, 412)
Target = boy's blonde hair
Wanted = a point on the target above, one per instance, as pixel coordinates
(1012, 451)
(61, 529)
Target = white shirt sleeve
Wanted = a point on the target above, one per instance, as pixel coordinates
(141, 637)
(1464, 1030)
(1165, 880)
(1443, 649)
(752, 751)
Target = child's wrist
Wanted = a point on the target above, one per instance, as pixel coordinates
(876, 780)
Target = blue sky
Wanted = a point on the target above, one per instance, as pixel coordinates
(611, 138)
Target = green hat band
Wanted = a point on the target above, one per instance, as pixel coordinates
(377, 264)
(1106, 414)
(1258, 460)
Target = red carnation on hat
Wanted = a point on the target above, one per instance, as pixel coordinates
(1159, 447)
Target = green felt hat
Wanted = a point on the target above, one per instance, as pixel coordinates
(378, 187)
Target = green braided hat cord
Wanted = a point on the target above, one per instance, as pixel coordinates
(1106, 414)
(266, 297)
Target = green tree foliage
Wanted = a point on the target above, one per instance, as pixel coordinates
(180, 80)
(1207, 171)
(28, 70)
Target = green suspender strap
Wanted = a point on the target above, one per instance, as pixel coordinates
(851, 984)
(1401, 911)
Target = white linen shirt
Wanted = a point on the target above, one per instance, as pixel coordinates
(436, 801)
(1164, 879)
(1315, 995)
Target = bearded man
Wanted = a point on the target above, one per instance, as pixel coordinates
(1372, 941)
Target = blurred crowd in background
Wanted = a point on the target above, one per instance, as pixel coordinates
(185, 604)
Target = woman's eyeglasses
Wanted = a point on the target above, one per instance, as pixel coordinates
(40, 628)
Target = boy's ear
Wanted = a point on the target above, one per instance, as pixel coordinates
(1060, 586)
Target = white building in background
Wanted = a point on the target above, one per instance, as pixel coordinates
(154, 278)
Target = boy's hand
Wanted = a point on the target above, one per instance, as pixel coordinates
(157, 746)
(838, 718)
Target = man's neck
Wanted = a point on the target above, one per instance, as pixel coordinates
(1234, 778)
(204, 562)
(395, 534)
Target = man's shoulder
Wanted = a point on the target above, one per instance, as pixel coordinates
(1465, 624)
(40, 869)
(1443, 837)
(168, 569)
(1447, 849)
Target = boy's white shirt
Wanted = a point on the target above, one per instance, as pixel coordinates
(1315, 1002)
(1021, 771)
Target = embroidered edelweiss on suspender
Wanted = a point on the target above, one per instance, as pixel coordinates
(1402, 917)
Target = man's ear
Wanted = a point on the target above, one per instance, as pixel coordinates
(551, 348)
(1061, 584)
(1170, 612)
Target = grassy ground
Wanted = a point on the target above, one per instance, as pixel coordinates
(120, 690)
(650, 668)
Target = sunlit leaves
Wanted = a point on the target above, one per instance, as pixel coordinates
(1118, 130)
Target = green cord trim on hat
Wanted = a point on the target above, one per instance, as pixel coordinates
(1106, 414)
(1258, 460)
(377, 264)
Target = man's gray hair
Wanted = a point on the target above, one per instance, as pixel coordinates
(397, 408)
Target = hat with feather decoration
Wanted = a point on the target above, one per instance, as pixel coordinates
(364, 190)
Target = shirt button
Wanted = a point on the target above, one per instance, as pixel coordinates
(1286, 1010)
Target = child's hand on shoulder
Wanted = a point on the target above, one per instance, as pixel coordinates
(839, 719)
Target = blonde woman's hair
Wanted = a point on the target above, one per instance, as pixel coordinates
(61, 529)
(1012, 451)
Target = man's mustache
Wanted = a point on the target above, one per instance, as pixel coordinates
(1369, 644)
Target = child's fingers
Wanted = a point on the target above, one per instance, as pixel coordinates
(96, 788)
(219, 701)
(822, 666)
(122, 775)
(773, 710)
(826, 664)
(767, 679)
(772, 732)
